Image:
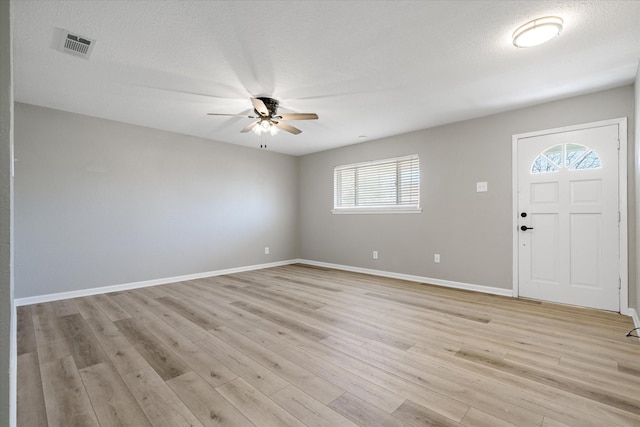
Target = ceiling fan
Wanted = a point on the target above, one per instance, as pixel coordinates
(268, 118)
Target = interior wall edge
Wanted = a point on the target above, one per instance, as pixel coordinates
(8, 322)
(143, 284)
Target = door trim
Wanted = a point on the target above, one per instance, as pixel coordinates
(623, 260)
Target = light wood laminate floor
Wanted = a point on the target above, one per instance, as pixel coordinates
(303, 346)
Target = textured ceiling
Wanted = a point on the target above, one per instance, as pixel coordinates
(374, 68)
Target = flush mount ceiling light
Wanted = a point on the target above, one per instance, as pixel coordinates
(537, 31)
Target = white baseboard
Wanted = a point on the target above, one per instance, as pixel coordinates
(411, 278)
(135, 285)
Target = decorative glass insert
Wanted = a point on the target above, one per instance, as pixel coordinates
(554, 154)
(571, 156)
(543, 165)
(590, 161)
(573, 152)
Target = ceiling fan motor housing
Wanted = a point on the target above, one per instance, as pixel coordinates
(271, 104)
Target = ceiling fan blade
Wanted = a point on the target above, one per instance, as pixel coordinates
(287, 127)
(298, 116)
(231, 115)
(260, 107)
(249, 127)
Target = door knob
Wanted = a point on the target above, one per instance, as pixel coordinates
(525, 228)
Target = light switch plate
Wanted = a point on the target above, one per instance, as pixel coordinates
(481, 187)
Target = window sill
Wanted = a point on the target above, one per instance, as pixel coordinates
(367, 211)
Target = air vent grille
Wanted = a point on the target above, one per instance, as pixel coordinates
(75, 44)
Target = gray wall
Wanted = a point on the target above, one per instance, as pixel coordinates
(7, 320)
(102, 203)
(472, 231)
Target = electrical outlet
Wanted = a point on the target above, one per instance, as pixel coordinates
(375, 254)
(266, 250)
(482, 187)
(436, 257)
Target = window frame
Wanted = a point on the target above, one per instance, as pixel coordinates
(383, 209)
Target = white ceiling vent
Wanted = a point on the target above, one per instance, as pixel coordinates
(75, 44)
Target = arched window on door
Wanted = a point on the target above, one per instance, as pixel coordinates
(571, 156)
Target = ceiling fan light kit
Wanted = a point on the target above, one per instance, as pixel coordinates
(265, 126)
(269, 121)
(538, 31)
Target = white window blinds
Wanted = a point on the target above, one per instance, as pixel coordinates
(379, 186)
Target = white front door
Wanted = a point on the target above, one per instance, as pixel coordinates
(568, 217)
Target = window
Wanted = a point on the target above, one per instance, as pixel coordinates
(382, 186)
(571, 156)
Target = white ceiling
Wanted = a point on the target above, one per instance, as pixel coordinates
(374, 68)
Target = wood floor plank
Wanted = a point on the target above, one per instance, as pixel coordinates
(412, 414)
(460, 391)
(205, 303)
(332, 372)
(54, 350)
(65, 397)
(429, 306)
(151, 291)
(309, 410)
(630, 404)
(308, 331)
(209, 368)
(158, 401)
(199, 317)
(117, 347)
(64, 307)
(306, 381)
(548, 422)
(477, 418)
(276, 298)
(548, 401)
(31, 410)
(173, 319)
(26, 335)
(88, 309)
(630, 370)
(110, 397)
(362, 413)
(159, 356)
(85, 349)
(254, 373)
(206, 403)
(409, 364)
(257, 407)
(429, 397)
(316, 324)
(45, 324)
(109, 307)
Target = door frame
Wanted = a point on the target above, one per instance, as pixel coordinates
(623, 260)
